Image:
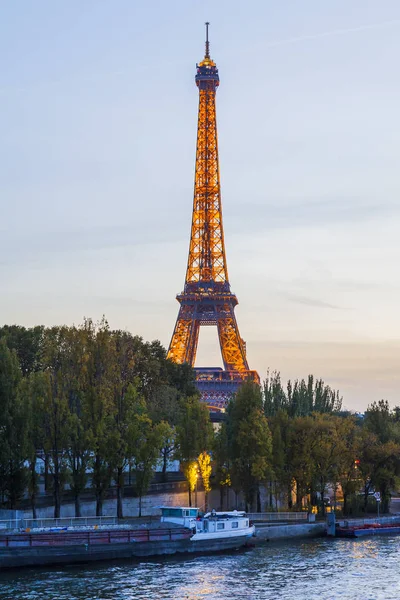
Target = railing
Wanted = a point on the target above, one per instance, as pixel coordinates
(10, 524)
(87, 538)
(278, 516)
(69, 522)
(13, 524)
(359, 522)
(72, 522)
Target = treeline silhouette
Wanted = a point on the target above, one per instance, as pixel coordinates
(85, 403)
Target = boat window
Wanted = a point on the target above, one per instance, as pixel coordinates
(235, 525)
(220, 525)
(247, 524)
(193, 512)
(171, 512)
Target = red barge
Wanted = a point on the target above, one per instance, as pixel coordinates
(368, 529)
(61, 546)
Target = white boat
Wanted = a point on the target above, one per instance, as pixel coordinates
(213, 531)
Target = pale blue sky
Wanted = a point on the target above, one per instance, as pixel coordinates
(98, 124)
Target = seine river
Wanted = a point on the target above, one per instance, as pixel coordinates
(315, 569)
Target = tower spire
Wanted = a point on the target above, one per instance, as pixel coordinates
(207, 54)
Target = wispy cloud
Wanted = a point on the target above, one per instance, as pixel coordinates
(301, 213)
(42, 246)
(332, 33)
(314, 302)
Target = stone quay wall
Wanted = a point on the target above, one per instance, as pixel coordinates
(269, 533)
(130, 506)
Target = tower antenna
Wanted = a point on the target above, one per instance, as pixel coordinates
(207, 42)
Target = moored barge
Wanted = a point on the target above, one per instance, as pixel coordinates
(368, 529)
(184, 533)
(68, 545)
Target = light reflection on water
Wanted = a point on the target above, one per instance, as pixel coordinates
(310, 570)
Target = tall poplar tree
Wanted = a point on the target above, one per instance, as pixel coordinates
(13, 441)
(100, 405)
(249, 440)
(56, 410)
(33, 391)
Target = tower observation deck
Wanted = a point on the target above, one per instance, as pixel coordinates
(207, 298)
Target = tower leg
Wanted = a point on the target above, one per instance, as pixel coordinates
(183, 346)
(232, 346)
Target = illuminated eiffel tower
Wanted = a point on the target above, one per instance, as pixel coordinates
(207, 298)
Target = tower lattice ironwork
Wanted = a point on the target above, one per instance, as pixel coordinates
(207, 298)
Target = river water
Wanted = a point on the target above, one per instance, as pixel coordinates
(322, 569)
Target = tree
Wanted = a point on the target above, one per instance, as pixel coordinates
(382, 422)
(274, 396)
(165, 407)
(79, 438)
(191, 472)
(249, 439)
(386, 474)
(146, 455)
(281, 478)
(33, 390)
(326, 400)
(221, 462)
(100, 404)
(128, 395)
(146, 440)
(78, 454)
(27, 343)
(55, 357)
(130, 410)
(167, 384)
(301, 466)
(326, 452)
(13, 441)
(368, 445)
(348, 459)
(379, 467)
(301, 398)
(194, 436)
(182, 378)
(204, 462)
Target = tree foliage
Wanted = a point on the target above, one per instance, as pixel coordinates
(72, 399)
(13, 440)
(249, 440)
(205, 469)
(301, 398)
(86, 403)
(194, 437)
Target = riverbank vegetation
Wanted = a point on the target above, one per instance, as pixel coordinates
(300, 445)
(87, 404)
(84, 404)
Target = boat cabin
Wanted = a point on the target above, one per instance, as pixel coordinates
(185, 516)
(223, 522)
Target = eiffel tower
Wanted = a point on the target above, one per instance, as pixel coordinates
(207, 298)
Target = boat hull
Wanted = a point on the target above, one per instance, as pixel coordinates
(220, 545)
(81, 552)
(364, 532)
(28, 557)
